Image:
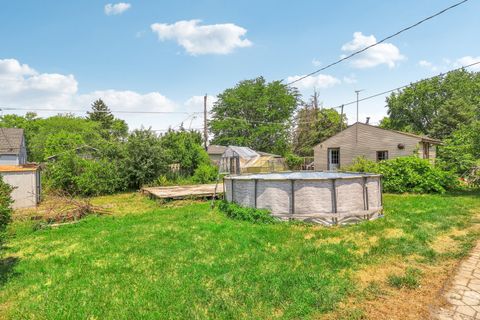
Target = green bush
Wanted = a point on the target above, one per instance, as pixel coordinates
(99, 177)
(293, 161)
(84, 177)
(408, 174)
(5, 206)
(412, 174)
(205, 173)
(361, 164)
(234, 211)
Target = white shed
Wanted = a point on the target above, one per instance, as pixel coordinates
(25, 179)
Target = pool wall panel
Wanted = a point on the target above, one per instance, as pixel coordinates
(274, 195)
(244, 193)
(349, 194)
(313, 196)
(374, 193)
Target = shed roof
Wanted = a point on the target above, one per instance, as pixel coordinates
(20, 168)
(243, 152)
(10, 140)
(216, 149)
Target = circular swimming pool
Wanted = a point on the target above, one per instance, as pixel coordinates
(322, 197)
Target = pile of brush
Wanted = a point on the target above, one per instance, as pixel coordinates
(63, 208)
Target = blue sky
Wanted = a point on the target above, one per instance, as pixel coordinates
(164, 55)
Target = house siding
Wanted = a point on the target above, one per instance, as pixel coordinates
(370, 140)
(9, 159)
(15, 159)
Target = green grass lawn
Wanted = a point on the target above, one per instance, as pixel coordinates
(190, 262)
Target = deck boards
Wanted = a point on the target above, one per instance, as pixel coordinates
(182, 192)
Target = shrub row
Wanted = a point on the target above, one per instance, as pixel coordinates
(234, 211)
(408, 174)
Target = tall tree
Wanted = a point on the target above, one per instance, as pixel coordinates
(313, 125)
(101, 113)
(255, 114)
(184, 147)
(436, 107)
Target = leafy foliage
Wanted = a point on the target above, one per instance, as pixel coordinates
(111, 127)
(314, 125)
(184, 147)
(205, 173)
(234, 211)
(255, 114)
(461, 151)
(99, 177)
(76, 175)
(5, 206)
(62, 141)
(436, 107)
(408, 174)
(293, 161)
(145, 158)
(101, 113)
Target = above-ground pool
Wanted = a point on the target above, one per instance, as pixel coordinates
(323, 197)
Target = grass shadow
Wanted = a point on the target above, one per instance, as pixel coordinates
(7, 266)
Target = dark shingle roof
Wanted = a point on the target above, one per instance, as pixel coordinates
(10, 140)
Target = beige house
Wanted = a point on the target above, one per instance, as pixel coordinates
(373, 143)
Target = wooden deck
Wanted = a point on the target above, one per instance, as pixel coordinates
(183, 192)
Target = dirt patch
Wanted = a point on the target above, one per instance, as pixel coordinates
(446, 242)
(390, 303)
(411, 304)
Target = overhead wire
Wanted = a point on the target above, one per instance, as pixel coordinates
(366, 98)
(377, 43)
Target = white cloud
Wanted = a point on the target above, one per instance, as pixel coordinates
(117, 8)
(467, 60)
(320, 81)
(384, 53)
(428, 65)
(195, 103)
(24, 87)
(203, 39)
(350, 79)
(127, 100)
(316, 62)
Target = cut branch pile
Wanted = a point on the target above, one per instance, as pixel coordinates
(63, 208)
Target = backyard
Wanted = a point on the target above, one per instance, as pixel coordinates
(148, 260)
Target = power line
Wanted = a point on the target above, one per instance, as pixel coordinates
(406, 85)
(366, 98)
(379, 42)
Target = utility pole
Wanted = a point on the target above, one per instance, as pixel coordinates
(205, 129)
(315, 99)
(341, 118)
(356, 126)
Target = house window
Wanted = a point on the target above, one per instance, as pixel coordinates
(382, 155)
